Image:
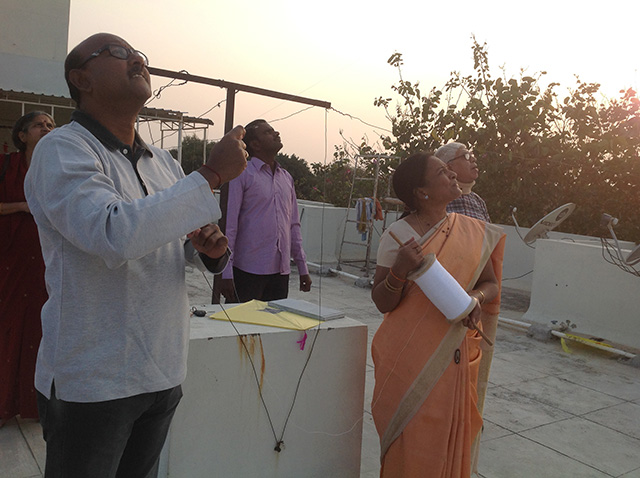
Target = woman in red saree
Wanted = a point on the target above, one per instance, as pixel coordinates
(22, 289)
(431, 376)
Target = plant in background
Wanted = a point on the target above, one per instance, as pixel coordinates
(537, 150)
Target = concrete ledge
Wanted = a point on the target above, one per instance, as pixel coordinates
(572, 282)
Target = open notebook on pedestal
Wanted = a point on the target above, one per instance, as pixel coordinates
(307, 309)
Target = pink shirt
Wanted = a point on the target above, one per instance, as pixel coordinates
(263, 226)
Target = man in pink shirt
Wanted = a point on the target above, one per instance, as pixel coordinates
(262, 224)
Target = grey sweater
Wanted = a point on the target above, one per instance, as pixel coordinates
(116, 323)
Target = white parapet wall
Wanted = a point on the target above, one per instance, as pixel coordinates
(322, 228)
(600, 298)
(572, 281)
(321, 225)
(517, 267)
(517, 270)
(566, 273)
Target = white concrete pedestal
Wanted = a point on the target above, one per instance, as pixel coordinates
(221, 429)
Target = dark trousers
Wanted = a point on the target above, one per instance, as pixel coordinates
(261, 287)
(112, 439)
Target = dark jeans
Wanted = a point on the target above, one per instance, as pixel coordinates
(116, 438)
(262, 287)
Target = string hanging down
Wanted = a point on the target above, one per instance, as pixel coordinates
(279, 440)
(232, 88)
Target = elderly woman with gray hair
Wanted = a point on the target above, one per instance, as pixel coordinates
(462, 161)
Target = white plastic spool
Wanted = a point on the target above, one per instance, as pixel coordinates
(443, 290)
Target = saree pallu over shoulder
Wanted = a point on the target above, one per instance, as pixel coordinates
(427, 400)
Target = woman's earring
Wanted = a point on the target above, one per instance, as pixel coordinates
(426, 196)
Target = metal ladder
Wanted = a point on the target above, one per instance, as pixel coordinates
(351, 203)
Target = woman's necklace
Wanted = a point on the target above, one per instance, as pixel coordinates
(419, 224)
(421, 229)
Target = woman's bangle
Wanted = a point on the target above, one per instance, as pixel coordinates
(481, 300)
(389, 287)
(395, 276)
(214, 172)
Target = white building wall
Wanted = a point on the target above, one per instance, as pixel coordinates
(33, 45)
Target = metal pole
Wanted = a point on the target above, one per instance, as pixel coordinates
(232, 88)
(237, 87)
(204, 146)
(180, 139)
(228, 116)
(224, 190)
(370, 226)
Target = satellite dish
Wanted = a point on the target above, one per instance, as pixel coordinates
(549, 222)
(634, 256)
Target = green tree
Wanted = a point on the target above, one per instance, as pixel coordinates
(538, 150)
(303, 178)
(192, 154)
(336, 178)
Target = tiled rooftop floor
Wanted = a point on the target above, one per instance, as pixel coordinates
(548, 413)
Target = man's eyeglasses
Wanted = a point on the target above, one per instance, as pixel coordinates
(116, 51)
(466, 155)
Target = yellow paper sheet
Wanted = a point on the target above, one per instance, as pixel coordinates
(259, 313)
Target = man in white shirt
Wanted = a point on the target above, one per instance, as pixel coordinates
(112, 214)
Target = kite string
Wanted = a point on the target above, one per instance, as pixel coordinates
(315, 337)
(246, 349)
(280, 441)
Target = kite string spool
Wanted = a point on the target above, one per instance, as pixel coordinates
(443, 290)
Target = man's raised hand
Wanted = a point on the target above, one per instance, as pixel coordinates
(228, 158)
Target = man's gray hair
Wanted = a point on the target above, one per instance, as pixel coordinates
(449, 151)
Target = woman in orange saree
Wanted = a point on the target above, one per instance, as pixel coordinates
(431, 375)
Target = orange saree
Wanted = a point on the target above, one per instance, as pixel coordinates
(431, 376)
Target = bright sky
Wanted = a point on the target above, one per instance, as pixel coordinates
(336, 51)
